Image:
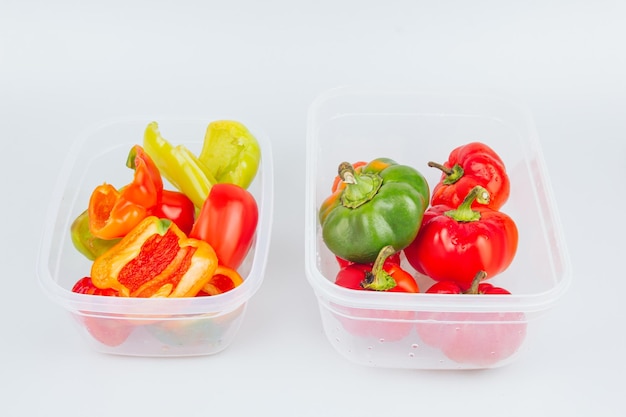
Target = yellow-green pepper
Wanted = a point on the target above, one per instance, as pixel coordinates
(231, 153)
(179, 165)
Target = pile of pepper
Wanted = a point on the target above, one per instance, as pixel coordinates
(149, 241)
(458, 236)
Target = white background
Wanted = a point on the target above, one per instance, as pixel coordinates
(66, 65)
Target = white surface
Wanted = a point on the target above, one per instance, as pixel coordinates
(65, 65)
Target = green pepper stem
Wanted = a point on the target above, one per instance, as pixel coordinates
(473, 289)
(360, 188)
(452, 174)
(378, 279)
(464, 212)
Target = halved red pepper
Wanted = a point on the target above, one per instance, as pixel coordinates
(467, 166)
(156, 259)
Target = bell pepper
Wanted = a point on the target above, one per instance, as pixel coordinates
(85, 242)
(231, 153)
(114, 213)
(383, 275)
(454, 243)
(156, 259)
(467, 166)
(178, 165)
(381, 205)
(227, 221)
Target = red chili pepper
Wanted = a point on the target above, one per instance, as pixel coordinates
(383, 275)
(227, 221)
(453, 244)
(467, 166)
(481, 339)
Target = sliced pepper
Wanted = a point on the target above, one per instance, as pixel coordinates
(231, 152)
(113, 213)
(178, 165)
(156, 259)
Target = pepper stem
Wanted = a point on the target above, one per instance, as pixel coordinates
(452, 174)
(360, 188)
(473, 289)
(464, 212)
(378, 279)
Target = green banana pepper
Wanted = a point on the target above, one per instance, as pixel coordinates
(381, 204)
(179, 166)
(230, 152)
(85, 242)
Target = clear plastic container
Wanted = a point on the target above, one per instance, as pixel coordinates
(434, 331)
(134, 326)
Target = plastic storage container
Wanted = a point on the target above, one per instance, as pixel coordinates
(433, 331)
(134, 326)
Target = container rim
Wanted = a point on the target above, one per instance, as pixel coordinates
(156, 307)
(327, 290)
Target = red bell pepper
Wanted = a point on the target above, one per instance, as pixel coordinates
(227, 221)
(467, 166)
(453, 244)
(475, 338)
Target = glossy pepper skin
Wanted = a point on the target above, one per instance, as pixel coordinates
(156, 259)
(113, 213)
(467, 166)
(472, 338)
(231, 153)
(383, 275)
(85, 242)
(381, 205)
(227, 221)
(178, 165)
(454, 243)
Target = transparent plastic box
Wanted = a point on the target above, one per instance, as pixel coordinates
(434, 331)
(136, 326)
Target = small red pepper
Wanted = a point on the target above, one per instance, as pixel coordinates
(383, 275)
(474, 338)
(453, 244)
(467, 166)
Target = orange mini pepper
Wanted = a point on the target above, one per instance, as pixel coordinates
(156, 259)
(113, 213)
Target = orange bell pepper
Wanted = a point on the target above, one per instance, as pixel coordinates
(156, 259)
(113, 213)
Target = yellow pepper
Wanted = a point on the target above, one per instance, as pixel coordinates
(231, 153)
(179, 165)
(156, 259)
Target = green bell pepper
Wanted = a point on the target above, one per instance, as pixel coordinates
(381, 204)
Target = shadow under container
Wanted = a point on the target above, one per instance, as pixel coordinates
(434, 331)
(144, 326)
